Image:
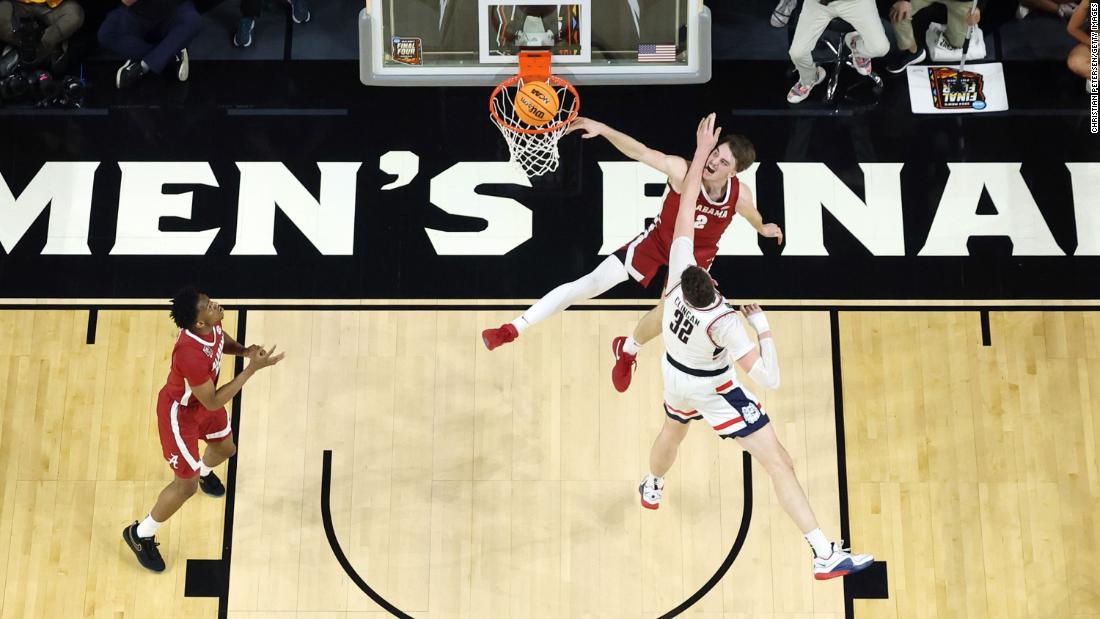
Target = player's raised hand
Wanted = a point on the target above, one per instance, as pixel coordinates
(755, 315)
(590, 127)
(706, 135)
(772, 231)
(262, 358)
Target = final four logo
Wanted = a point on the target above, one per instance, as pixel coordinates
(953, 90)
(407, 50)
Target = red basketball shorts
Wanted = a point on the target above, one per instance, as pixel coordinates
(646, 254)
(181, 428)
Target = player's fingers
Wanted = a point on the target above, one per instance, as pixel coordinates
(272, 351)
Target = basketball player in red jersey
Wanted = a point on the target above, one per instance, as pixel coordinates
(192, 407)
(641, 259)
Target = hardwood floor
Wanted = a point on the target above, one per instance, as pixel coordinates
(469, 483)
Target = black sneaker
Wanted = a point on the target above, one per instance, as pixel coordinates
(299, 11)
(903, 58)
(211, 485)
(145, 548)
(181, 64)
(129, 73)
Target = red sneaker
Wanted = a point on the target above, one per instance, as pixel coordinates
(624, 365)
(495, 337)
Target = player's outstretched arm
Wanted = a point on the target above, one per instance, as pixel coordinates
(212, 399)
(706, 137)
(669, 165)
(747, 209)
(762, 366)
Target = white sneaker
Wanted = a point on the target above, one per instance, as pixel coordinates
(1022, 12)
(650, 490)
(1066, 9)
(800, 91)
(782, 13)
(841, 563)
(861, 63)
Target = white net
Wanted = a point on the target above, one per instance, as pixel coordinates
(533, 148)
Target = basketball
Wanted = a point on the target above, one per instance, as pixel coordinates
(537, 103)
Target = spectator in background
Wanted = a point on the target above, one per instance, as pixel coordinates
(1079, 57)
(961, 14)
(782, 13)
(152, 35)
(250, 12)
(60, 19)
(1061, 9)
(867, 42)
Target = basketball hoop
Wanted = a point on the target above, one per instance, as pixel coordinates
(534, 148)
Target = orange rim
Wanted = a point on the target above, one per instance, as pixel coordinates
(553, 79)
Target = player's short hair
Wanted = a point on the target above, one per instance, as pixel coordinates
(744, 154)
(697, 286)
(185, 307)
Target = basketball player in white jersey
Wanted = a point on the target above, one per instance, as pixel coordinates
(645, 257)
(701, 333)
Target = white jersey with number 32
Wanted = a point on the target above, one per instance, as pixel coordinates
(699, 338)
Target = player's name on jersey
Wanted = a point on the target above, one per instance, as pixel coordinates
(326, 215)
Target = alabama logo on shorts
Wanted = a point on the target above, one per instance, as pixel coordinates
(174, 461)
(750, 413)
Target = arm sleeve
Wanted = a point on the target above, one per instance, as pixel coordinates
(766, 369)
(680, 256)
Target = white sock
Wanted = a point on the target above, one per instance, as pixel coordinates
(148, 527)
(823, 548)
(520, 324)
(631, 347)
(203, 469)
(656, 479)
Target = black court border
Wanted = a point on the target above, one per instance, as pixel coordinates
(851, 591)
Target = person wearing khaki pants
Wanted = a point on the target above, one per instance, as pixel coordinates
(961, 14)
(867, 42)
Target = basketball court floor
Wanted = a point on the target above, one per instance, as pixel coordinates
(463, 483)
(934, 307)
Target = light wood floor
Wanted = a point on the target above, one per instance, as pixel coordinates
(476, 484)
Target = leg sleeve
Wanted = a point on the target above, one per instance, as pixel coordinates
(603, 278)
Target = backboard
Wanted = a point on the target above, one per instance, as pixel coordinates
(475, 42)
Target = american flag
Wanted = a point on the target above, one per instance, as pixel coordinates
(656, 53)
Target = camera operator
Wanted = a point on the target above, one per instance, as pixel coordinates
(58, 20)
(152, 35)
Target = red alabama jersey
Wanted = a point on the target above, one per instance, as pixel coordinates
(711, 220)
(195, 360)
